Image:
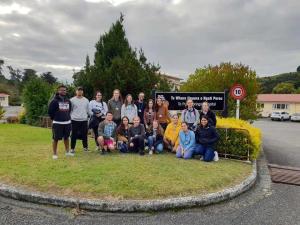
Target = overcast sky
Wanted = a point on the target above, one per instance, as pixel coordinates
(180, 35)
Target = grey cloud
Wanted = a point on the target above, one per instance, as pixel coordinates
(181, 37)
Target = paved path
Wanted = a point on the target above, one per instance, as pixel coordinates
(281, 142)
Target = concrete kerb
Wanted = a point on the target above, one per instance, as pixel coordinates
(131, 205)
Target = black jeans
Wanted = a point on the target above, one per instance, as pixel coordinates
(79, 131)
(138, 144)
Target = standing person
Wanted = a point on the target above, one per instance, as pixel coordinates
(136, 137)
(141, 105)
(98, 110)
(171, 136)
(149, 114)
(129, 109)
(190, 115)
(59, 112)
(162, 113)
(205, 110)
(114, 106)
(107, 134)
(155, 136)
(186, 146)
(79, 117)
(206, 137)
(123, 135)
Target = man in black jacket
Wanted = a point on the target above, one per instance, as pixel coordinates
(59, 112)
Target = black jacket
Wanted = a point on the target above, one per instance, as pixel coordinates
(59, 109)
(141, 108)
(206, 136)
(212, 121)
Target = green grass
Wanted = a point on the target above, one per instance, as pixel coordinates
(26, 160)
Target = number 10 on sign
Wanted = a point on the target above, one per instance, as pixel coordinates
(238, 92)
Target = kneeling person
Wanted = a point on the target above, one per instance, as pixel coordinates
(107, 133)
(136, 137)
(155, 136)
(206, 137)
(186, 142)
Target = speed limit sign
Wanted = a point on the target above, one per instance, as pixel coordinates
(238, 92)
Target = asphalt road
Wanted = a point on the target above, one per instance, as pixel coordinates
(266, 204)
(281, 141)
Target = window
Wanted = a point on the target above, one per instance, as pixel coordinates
(260, 105)
(2, 98)
(280, 106)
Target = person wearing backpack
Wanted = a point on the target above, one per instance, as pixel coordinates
(205, 111)
(190, 115)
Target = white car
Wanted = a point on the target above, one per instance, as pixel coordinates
(295, 117)
(280, 116)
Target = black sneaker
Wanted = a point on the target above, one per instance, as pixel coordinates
(141, 152)
(103, 152)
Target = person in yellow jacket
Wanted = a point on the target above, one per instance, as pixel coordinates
(171, 136)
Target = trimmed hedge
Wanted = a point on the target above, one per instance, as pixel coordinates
(237, 137)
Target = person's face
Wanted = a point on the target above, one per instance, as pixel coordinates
(190, 104)
(175, 119)
(129, 98)
(116, 94)
(98, 97)
(136, 121)
(109, 117)
(184, 127)
(155, 124)
(79, 93)
(159, 102)
(62, 91)
(150, 104)
(204, 122)
(125, 121)
(205, 107)
(141, 96)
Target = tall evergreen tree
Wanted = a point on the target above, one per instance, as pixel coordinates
(117, 65)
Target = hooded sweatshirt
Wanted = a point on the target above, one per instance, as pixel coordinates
(59, 110)
(130, 111)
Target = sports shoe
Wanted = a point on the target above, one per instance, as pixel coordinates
(142, 152)
(86, 150)
(150, 152)
(54, 157)
(97, 148)
(216, 157)
(69, 153)
(201, 158)
(72, 151)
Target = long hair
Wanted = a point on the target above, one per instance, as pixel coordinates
(157, 106)
(160, 130)
(126, 101)
(121, 127)
(147, 106)
(98, 92)
(120, 96)
(204, 117)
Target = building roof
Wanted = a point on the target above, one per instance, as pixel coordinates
(3, 95)
(171, 77)
(278, 98)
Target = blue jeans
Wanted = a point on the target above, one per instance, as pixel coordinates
(123, 147)
(188, 154)
(206, 151)
(158, 147)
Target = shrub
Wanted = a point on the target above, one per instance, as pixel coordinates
(22, 116)
(237, 136)
(2, 112)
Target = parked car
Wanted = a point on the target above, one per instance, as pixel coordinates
(295, 117)
(280, 116)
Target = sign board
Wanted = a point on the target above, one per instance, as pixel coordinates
(177, 100)
(238, 92)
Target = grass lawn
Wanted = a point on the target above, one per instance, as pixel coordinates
(26, 160)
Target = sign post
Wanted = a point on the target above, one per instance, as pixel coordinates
(238, 92)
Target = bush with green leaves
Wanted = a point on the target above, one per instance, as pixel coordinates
(36, 96)
(2, 112)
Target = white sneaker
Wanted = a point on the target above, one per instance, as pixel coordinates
(150, 152)
(146, 148)
(54, 157)
(72, 151)
(69, 154)
(97, 148)
(86, 150)
(201, 158)
(216, 157)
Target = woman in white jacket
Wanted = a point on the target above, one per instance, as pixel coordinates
(129, 109)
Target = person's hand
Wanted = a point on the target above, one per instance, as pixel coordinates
(131, 144)
(174, 149)
(172, 143)
(98, 114)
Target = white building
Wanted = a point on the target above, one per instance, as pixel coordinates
(4, 99)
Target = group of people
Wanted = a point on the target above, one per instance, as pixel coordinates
(132, 126)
